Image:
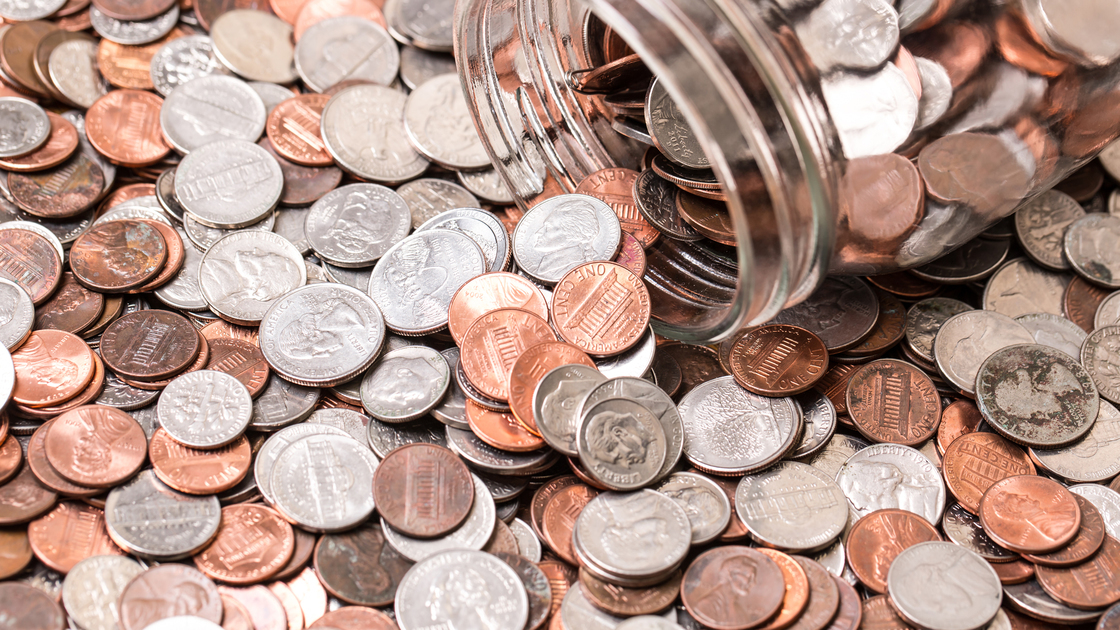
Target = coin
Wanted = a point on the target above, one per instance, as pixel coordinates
(29, 260)
(473, 534)
(425, 587)
(267, 55)
(892, 401)
(68, 534)
(878, 538)
(373, 580)
(297, 493)
(1089, 459)
(150, 345)
(850, 311)
(272, 543)
(1085, 586)
(92, 587)
(605, 545)
(369, 53)
(243, 273)
(206, 177)
(975, 461)
(1054, 331)
(927, 586)
(1014, 509)
(118, 255)
(601, 308)
(966, 340)
(439, 125)
(705, 589)
(1004, 292)
(210, 108)
(205, 409)
(132, 111)
(1087, 542)
(560, 234)
(868, 480)
(152, 521)
(429, 475)
(365, 116)
(166, 591)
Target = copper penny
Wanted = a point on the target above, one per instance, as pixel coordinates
(75, 22)
(52, 366)
(68, 534)
(492, 344)
(316, 11)
(265, 608)
(293, 129)
(882, 200)
(876, 540)
(423, 490)
(601, 308)
(501, 430)
(17, 53)
(61, 144)
(698, 364)
(631, 255)
(1087, 542)
(878, 614)
(252, 545)
(824, 597)
(132, 10)
(1015, 572)
(893, 401)
(176, 255)
(1090, 585)
(241, 360)
(778, 360)
(310, 595)
(303, 185)
(86, 396)
(960, 418)
(305, 546)
(490, 292)
(234, 614)
(560, 576)
(797, 590)
(15, 552)
(199, 363)
(225, 330)
(209, 10)
(668, 373)
(560, 519)
(355, 618)
(116, 256)
(11, 458)
(888, 331)
(359, 567)
(72, 308)
(708, 217)
(905, 285)
(127, 193)
(1080, 301)
(194, 471)
(287, 10)
(29, 260)
(124, 126)
(975, 461)
(150, 344)
(168, 590)
(46, 474)
(615, 187)
(23, 498)
(502, 540)
(528, 371)
(628, 602)
(732, 588)
(64, 191)
(541, 498)
(96, 446)
(293, 615)
(128, 67)
(850, 614)
(834, 385)
(1030, 514)
(5, 425)
(579, 471)
(28, 607)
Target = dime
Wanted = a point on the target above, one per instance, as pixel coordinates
(26, 126)
(427, 198)
(604, 536)
(925, 318)
(487, 184)
(671, 133)
(1097, 355)
(652, 398)
(360, 567)
(17, 314)
(405, 384)
(255, 45)
(180, 60)
(210, 108)
(423, 490)
(876, 540)
(472, 534)
(941, 585)
(850, 310)
(166, 591)
(228, 183)
(365, 116)
(93, 586)
(563, 232)
(243, 273)
(272, 543)
(871, 479)
(621, 443)
(153, 521)
(150, 345)
(345, 48)
(1041, 227)
(1093, 458)
(966, 340)
(1108, 313)
(1090, 536)
(61, 144)
(708, 588)
(205, 409)
(637, 361)
(819, 416)
(426, 587)
(1030, 514)
(975, 461)
(439, 125)
(282, 404)
(556, 404)
(791, 528)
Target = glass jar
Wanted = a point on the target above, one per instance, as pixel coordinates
(1034, 96)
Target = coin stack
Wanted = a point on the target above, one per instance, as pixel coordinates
(327, 376)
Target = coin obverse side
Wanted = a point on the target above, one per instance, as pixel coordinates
(428, 593)
(563, 232)
(942, 586)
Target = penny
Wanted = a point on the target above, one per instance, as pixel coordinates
(889, 329)
(354, 618)
(778, 360)
(489, 292)
(1086, 586)
(198, 472)
(150, 345)
(976, 461)
(423, 490)
(24, 497)
(881, 201)
(626, 602)
(371, 580)
(797, 590)
(529, 370)
(1088, 541)
(86, 396)
(958, 419)
(62, 142)
(513, 331)
(878, 538)
(500, 429)
(199, 362)
(877, 612)
(842, 311)
(1080, 302)
(152, 521)
(28, 607)
(559, 517)
(834, 385)
(615, 187)
(130, 114)
(293, 130)
(1030, 514)
(176, 257)
(785, 526)
(45, 473)
(241, 360)
(166, 591)
(118, 255)
(941, 585)
(1016, 572)
(15, 552)
(303, 185)
(474, 533)
(244, 528)
(966, 340)
(71, 309)
(732, 588)
(95, 446)
(29, 260)
(68, 534)
(964, 529)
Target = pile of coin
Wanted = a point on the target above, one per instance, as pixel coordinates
(271, 363)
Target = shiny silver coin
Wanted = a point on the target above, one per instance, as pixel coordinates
(152, 521)
(528, 544)
(705, 503)
(486, 458)
(17, 314)
(205, 409)
(925, 318)
(620, 444)
(942, 586)
(210, 108)
(964, 529)
(354, 225)
(635, 362)
(791, 506)
(183, 59)
(439, 125)
(853, 34)
(228, 183)
(14, 11)
(452, 410)
(563, 232)
(125, 397)
(133, 33)
(835, 452)
(633, 535)
(428, 25)
(966, 340)
(1093, 458)
(346, 48)
(819, 416)
(363, 129)
(183, 291)
(482, 227)
(289, 224)
(648, 396)
(25, 126)
(577, 612)
(93, 586)
(873, 479)
(419, 65)
(648, 622)
(834, 560)
(937, 89)
(1108, 313)
(306, 488)
(322, 334)
(472, 534)
(244, 273)
(1090, 247)
(265, 458)
(1041, 227)
(670, 132)
(429, 593)
(255, 44)
(841, 312)
(1020, 287)
(429, 197)
(1107, 502)
(1056, 332)
(385, 438)
(874, 114)
(72, 68)
(405, 384)
(556, 404)
(414, 281)
(1100, 354)
(487, 184)
(204, 236)
(730, 431)
(350, 392)
(282, 404)
(353, 423)
(656, 199)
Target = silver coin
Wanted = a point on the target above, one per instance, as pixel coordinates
(125, 397)
(835, 452)
(1020, 287)
(1090, 246)
(357, 278)
(1057, 332)
(620, 443)
(146, 207)
(731, 431)
(182, 622)
(1107, 502)
(648, 396)
(265, 458)
(93, 586)
(648, 622)
(1108, 313)
(925, 318)
(228, 183)
(183, 59)
(346, 48)
(819, 426)
(439, 125)
(841, 312)
(322, 482)
(635, 362)
(428, 24)
(1041, 227)
(165, 195)
(576, 612)
(289, 224)
(486, 458)
(504, 488)
(150, 520)
(25, 11)
(942, 586)
(350, 392)
(1029, 598)
(706, 504)
(964, 529)
(315, 273)
(419, 65)
(148, 419)
(354, 225)
(563, 232)
(633, 535)
(24, 125)
(964, 341)
(282, 404)
(244, 273)
(322, 334)
(556, 404)
(855, 34)
(937, 92)
(487, 184)
(1093, 458)
(210, 108)
(428, 197)
(873, 114)
(205, 409)
(791, 506)
(271, 94)
(385, 438)
(670, 132)
(656, 199)
(354, 423)
(363, 129)
(17, 314)
(430, 594)
(833, 559)
(528, 544)
(892, 476)
(452, 410)
(1100, 354)
(405, 384)
(133, 33)
(472, 534)
(204, 236)
(255, 44)
(414, 282)
(72, 67)
(482, 227)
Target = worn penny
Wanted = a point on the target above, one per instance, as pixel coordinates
(893, 401)
(876, 540)
(960, 418)
(72, 308)
(359, 567)
(732, 588)
(975, 461)
(423, 490)
(150, 345)
(119, 255)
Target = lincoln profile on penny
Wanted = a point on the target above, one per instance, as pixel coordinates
(34, 359)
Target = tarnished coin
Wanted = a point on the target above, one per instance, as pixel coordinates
(942, 586)
(255, 44)
(210, 108)
(1108, 312)
(205, 409)
(621, 444)
(1093, 458)
(965, 341)
(893, 401)
(304, 484)
(556, 404)
(1089, 247)
(359, 566)
(439, 125)
(428, 591)
(346, 48)
(93, 586)
(607, 538)
(354, 225)
(1020, 287)
(892, 476)
(563, 232)
(732, 588)
(841, 312)
(925, 318)
(116, 256)
(810, 515)
(1041, 226)
(423, 490)
(473, 534)
(150, 345)
(152, 521)
(877, 539)
(167, 591)
(975, 461)
(1030, 514)
(656, 200)
(1055, 331)
(242, 274)
(363, 128)
(708, 508)
(1100, 355)
(601, 308)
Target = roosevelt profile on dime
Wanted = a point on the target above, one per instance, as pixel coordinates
(402, 383)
